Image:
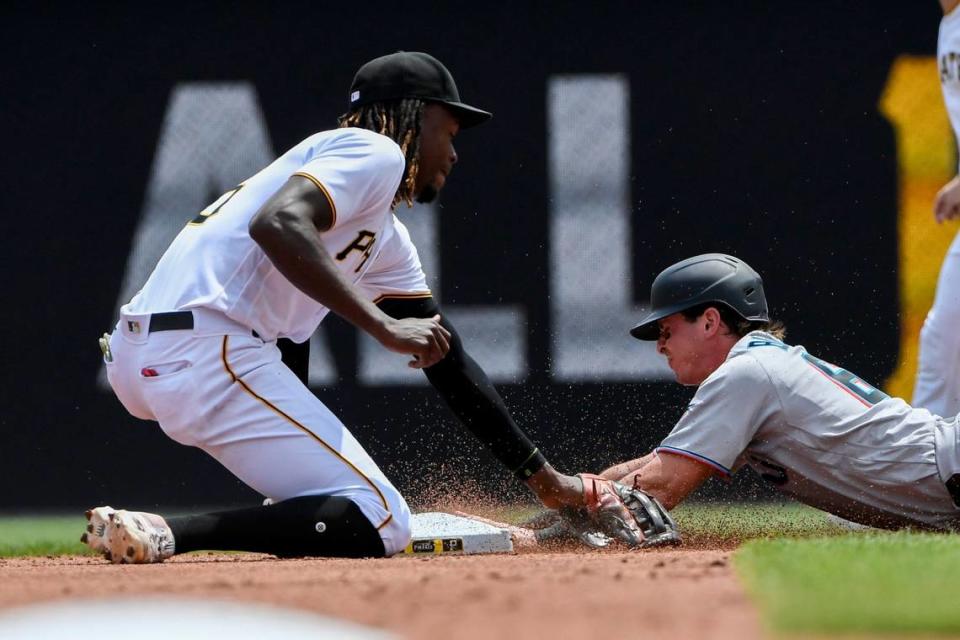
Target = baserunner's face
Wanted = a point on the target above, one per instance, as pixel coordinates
(437, 155)
(685, 348)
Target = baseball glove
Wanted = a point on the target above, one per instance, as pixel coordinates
(616, 512)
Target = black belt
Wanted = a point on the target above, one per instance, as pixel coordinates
(175, 321)
(171, 321)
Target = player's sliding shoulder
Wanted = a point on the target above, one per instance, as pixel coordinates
(742, 365)
(750, 364)
(761, 340)
(764, 347)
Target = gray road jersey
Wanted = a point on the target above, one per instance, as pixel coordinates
(821, 435)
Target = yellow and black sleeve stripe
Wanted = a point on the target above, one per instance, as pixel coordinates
(326, 193)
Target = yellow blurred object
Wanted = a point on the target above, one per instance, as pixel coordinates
(926, 159)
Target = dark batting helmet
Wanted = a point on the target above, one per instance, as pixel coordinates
(712, 277)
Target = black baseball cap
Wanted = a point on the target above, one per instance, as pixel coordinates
(412, 74)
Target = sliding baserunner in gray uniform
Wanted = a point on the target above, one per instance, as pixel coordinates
(820, 434)
(816, 431)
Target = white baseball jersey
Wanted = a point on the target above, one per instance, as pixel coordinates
(938, 376)
(948, 59)
(225, 390)
(214, 263)
(821, 435)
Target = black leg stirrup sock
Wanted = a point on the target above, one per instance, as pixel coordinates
(329, 526)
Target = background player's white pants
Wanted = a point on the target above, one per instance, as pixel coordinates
(938, 377)
(231, 396)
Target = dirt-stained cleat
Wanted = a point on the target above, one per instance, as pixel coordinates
(95, 537)
(128, 537)
(134, 537)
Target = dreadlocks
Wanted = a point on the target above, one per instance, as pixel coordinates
(400, 121)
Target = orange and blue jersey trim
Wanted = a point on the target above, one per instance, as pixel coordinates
(713, 464)
(840, 386)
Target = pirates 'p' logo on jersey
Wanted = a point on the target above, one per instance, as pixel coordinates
(362, 243)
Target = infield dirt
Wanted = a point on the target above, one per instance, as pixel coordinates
(562, 594)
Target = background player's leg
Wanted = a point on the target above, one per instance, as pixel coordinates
(937, 386)
(306, 526)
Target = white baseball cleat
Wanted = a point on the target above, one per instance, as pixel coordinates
(96, 535)
(128, 537)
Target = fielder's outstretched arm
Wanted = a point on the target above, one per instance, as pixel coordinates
(472, 397)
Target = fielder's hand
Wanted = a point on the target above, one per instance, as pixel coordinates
(423, 338)
(946, 206)
(619, 512)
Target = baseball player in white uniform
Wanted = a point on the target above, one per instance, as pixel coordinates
(937, 386)
(313, 232)
(814, 430)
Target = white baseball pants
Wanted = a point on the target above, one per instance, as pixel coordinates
(219, 388)
(937, 387)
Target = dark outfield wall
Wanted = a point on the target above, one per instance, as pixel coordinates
(623, 139)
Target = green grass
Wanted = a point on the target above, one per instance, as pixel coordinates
(42, 536)
(727, 524)
(891, 583)
(806, 574)
(735, 523)
(721, 524)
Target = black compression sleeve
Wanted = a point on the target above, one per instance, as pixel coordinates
(471, 396)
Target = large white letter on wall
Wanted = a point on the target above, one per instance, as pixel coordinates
(213, 137)
(590, 268)
(495, 335)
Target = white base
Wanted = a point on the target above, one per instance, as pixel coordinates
(437, 533)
